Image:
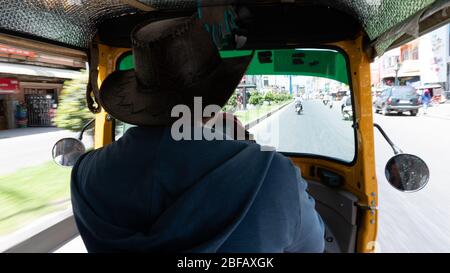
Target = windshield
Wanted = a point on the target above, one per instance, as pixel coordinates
(265, 99)
(265, 102)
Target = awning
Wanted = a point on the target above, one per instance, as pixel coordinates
(31, 70)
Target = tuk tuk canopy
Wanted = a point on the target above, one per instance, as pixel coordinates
(74, 23)
(322, 63)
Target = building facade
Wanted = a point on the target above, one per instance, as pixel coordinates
(420, 63)
(32, 75)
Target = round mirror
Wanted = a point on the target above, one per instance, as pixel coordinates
(407, 173)
(67, 151)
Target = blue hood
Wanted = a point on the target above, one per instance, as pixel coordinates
(147, 192)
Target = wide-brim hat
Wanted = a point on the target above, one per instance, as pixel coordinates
(175, 61)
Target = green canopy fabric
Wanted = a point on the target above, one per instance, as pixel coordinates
(322, 63)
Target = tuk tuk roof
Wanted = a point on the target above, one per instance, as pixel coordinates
(74, 23)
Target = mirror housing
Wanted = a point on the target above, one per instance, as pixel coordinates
(407, 173)
(67, 151)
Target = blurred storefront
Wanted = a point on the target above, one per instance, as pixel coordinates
(8, 87)
(31, 79)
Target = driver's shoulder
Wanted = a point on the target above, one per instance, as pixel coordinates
(285, 164)
(283, 175)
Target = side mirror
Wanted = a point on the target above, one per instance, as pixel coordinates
(67, 151)
(407, 173)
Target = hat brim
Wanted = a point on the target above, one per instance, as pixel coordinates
(123, 98)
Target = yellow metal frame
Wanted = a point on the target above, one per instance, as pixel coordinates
(360, 179)
(106, 65)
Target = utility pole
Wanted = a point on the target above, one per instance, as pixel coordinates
(290, 85)
(397, 68)
(244, 97)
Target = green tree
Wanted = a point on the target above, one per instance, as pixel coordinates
(233, 100)
(269, 97)
(72, 112)
(277, 97)
(285, 97)
(256, 99)
(231, 104)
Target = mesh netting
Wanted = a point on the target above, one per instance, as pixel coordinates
(69, 21)
(179, 4)
(378, 16)
(73, 22)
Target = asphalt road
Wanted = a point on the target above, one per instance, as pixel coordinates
(30, 146)
(408, 222)
(420, 221)
(319, 130)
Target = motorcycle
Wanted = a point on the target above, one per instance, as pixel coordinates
(298, 108)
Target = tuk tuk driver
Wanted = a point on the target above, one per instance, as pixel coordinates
(147, 192)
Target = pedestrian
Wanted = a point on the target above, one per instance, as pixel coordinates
(240, 102)
(426, 98)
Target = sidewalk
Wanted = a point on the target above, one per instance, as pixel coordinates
(439, 111)
(27, 131)
(28, 147)
(263, 117)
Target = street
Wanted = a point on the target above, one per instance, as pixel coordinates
(30, 146)
(408, 222)
(420, 221)
(319, 130)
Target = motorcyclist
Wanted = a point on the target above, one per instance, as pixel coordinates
(298, 102)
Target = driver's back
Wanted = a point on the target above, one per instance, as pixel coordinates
(148, 192)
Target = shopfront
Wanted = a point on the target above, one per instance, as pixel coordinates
(9, 87)
(41, 100)
(32, 76)
(29, 97)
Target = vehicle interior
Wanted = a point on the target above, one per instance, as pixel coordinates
(331, 40)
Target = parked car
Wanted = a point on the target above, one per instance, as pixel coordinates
(398, 99)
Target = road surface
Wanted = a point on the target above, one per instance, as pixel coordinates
(319, 130)
(30, 146)
(408, 222)
(420, 221)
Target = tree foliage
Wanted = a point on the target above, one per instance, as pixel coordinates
(256, 99)
(231, 104)
(72, 112)
(269, 97)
